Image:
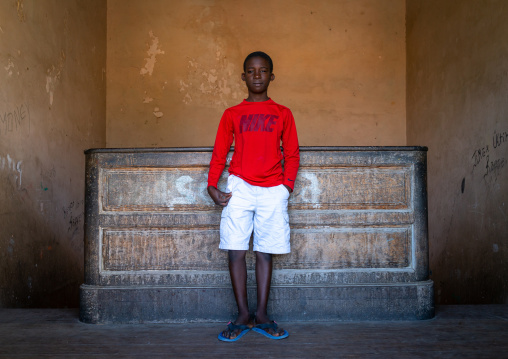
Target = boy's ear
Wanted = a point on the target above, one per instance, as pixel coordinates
(272, 77)
(243, 76)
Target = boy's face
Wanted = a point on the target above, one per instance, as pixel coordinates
(257, 75)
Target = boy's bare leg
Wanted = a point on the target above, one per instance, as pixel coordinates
(238, 274)
(264, 279)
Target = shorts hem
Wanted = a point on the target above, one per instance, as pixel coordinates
(270, 251)
(233, 248)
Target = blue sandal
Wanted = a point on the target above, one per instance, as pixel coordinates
(231, 328)
(260, 328)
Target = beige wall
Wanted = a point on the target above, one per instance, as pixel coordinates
(52, 107)
(457, 78)
(174, 66)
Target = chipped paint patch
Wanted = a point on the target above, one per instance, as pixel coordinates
(50, 87)
(183, 86)
(21, 13)
(157, 112)
(187, 99)
(9, 67)
(53, 77)
(212, 82)
(152, 52)
(147, 99)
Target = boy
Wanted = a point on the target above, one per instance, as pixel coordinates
(257, 191)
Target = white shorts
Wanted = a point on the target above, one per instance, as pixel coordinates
(264, 209)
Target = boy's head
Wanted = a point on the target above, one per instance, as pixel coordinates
(257, 75)
(258, 54)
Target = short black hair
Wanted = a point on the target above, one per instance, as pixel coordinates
(258, 54)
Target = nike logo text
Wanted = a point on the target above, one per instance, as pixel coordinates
(257, 123)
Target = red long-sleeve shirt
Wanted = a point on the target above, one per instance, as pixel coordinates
(258, 129)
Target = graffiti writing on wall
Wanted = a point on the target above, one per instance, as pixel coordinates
(11, 166)
(493, 167)
(15, 119)
(498, 139)
(74, 214)
(479, 154)
(488, 157)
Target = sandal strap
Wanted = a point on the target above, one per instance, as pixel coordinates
(232, 327)
(271, 325)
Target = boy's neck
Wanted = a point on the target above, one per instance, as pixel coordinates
(257, 97)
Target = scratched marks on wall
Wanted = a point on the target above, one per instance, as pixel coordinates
(14, 119)
(11, 168)
(489, 159)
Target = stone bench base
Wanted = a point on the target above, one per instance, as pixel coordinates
(401, 301)
(359, 239)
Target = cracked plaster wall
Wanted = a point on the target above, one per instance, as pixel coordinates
(174, 66)
(52, 107)
(457, 79)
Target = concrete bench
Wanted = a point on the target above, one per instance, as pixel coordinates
(359, 238)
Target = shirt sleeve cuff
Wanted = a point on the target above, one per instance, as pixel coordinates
(290, 183)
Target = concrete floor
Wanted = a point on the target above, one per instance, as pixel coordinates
(455, 332)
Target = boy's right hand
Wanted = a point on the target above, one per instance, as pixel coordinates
(220, 198)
